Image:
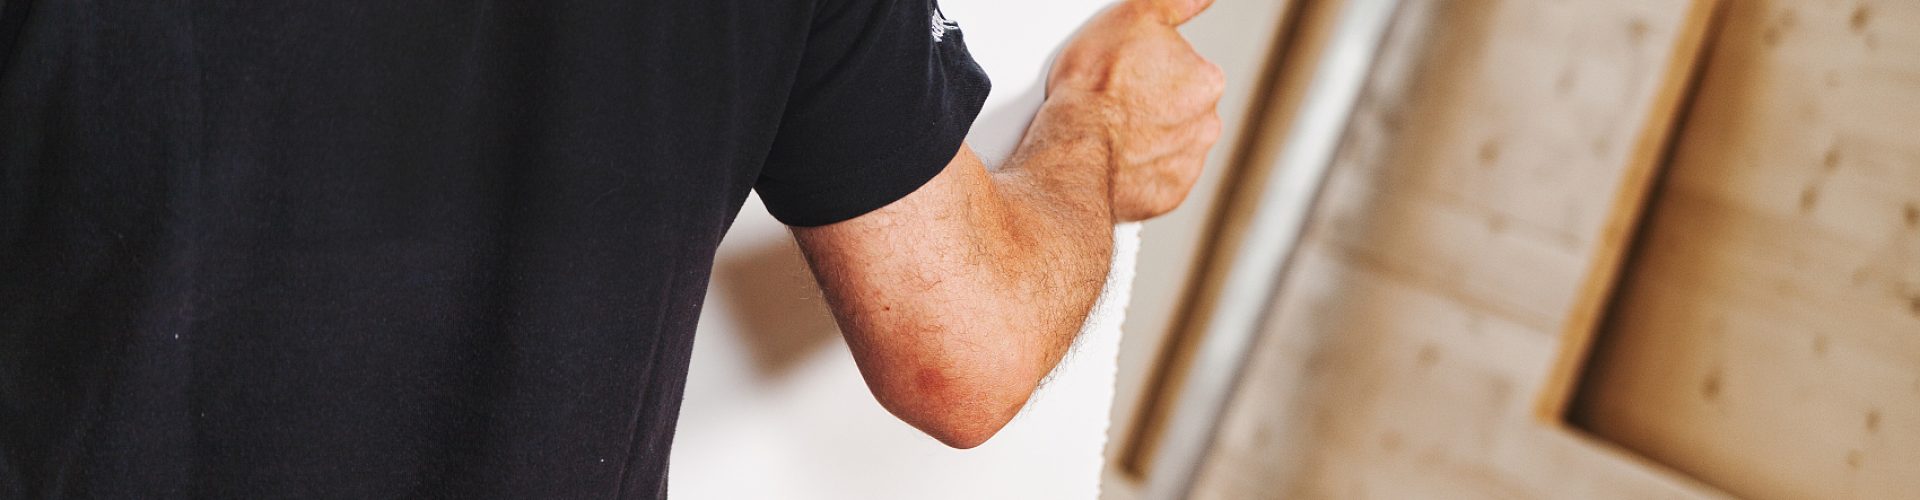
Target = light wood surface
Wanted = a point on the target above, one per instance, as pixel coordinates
(1405, 355)
(1766, 337)
(1651, 152)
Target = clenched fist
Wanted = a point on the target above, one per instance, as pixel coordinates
(1130, 76)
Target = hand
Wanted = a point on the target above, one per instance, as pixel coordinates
(1130, 75)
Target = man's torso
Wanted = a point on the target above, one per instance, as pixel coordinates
(462, 244)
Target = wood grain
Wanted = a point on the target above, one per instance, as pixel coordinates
(1766, 336)
(1651, 152)
(1423, 317)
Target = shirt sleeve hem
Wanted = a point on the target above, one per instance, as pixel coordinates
(911, 167)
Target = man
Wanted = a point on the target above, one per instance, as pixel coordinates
(259, 249)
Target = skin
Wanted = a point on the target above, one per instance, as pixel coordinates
(960, 298)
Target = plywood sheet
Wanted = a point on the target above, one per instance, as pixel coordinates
(1766, 337)
(1403, 357)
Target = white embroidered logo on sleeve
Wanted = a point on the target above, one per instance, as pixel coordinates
(941, 26)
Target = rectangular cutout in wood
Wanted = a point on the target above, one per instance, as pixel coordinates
(1751, 319)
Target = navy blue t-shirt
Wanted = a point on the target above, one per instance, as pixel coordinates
(412, 248)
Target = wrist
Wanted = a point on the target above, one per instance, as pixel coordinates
(1068, 153)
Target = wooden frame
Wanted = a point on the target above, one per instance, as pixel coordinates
(1652, 151)
(1309, 26)
(1748, 321)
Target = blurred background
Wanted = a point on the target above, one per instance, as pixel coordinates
(1560, 249)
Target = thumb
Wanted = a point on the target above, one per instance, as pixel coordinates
(1178, 12)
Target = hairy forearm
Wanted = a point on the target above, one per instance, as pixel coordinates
(1055, 240)
(959, 298)
(957, 302)
(1058, 225)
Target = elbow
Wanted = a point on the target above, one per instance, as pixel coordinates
(961, 411)
(964, 431)
(964, 382)
(962, 437)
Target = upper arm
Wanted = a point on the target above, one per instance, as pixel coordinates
(901, 224)
(877, 107)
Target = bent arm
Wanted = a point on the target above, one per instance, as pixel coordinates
(959, 299)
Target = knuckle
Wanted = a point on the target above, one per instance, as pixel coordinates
(1212, 129)
(1194, 166)
(1209, 82)
(1169, 200)
(1203, 132)
(1216, 76)
(1174, 184)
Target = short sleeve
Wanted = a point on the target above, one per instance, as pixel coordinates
(882, 101)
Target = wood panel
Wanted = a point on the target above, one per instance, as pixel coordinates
(1404, 356)
(1766, 337)
(1652, 151)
